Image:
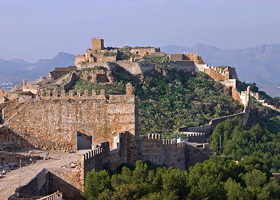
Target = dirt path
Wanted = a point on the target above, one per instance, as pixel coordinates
(10, 181)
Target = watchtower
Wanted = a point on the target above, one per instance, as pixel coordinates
(97, 44)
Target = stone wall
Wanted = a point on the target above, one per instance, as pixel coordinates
(5, 96)
(196, 153)
(185, 65)
(144, 51)
(203, 128)
(162, 151)
(176, 57)
(11, 139)
(97, 76)
(151, 147)
(59, 71)
(97, 44)
(59, 118)
(214, 122)
(48, 181)
(232, 72)
(216, 75)
(38, 186)
(79, 59)
(65, 180)
(186, 56)
(72, 79)
(15, 158)
(198, 137)
(171, 153)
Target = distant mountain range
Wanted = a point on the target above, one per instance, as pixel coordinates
(18, 69)
(260, 64)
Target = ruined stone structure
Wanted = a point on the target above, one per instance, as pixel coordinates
(97, 76)
(97, 53)
(6, 96)
(228, 78)
(59, 71)
(100, 56)
(187, 56)
(142, 51)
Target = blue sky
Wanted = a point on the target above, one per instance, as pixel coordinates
(34, 29)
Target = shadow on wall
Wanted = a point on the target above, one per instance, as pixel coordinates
(46, 183)
(10, 140)
(69, 191)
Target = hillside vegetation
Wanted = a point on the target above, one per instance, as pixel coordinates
(239, 141)
(216, 178)
(170, 98)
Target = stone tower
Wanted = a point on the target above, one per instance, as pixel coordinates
(97, 44)
(129, 89)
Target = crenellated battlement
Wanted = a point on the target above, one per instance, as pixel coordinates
(154, 136)
(62, 95)
(169, 141)
(176, 143)
(93, 153)
(181, 144)
(194, 134)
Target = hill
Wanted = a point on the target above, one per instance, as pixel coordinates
(170, 98)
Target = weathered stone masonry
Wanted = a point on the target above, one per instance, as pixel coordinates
(59, 119)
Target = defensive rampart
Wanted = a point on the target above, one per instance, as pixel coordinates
(151, 147)
(59, 118)
(214, 122)
(180, 155)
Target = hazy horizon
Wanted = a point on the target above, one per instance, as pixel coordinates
(39, 29)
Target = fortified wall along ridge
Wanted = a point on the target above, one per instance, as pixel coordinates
(53, 117)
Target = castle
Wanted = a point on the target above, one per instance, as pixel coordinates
(106, 125)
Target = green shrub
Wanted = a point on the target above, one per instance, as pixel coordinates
(26, 93)
(109, 53)
(216, 178)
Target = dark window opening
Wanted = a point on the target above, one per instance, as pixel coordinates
(1, 117)
(230, 91)
(83, 141)
(102, 78)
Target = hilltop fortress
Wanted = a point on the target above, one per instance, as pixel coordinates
(51, 117)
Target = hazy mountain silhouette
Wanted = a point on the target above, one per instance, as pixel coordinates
(18, 69)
